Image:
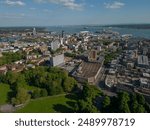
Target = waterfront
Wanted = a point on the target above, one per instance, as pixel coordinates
(142, 33)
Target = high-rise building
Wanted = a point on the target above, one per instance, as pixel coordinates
(34, 32)
(61, 41)
(62, 34)
(62, 38)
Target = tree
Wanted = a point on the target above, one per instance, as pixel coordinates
(134, 106)
(105, 104)
(82, 106)
(56, 87)
(9, 57)
(76, 107)
(36, 93)
(147, 107)
(133, 103)
(89, 92)
(140, 99)
(22, 96)
(140, 108)
(85, 107)
(20, 81)
(87, 102)
(69, 84)
(123, 99)
(11, 77)
(43, 93)
(106, 101)
(123, 107)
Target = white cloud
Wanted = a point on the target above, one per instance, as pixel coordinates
(71, 4)
(114, 5)
(14, 3)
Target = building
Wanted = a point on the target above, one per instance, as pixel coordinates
(55, 45)
(143, 61)
(62, 38)
(3, 69)
(61, 41)
(87, 72)
(144, 83)
(92, 56)
(84, 33)
(57, 60)
(43, 48)
(110, 80)
(34, 32)
(130, 65)
(99, 48)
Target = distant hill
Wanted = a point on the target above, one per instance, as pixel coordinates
(20, 29)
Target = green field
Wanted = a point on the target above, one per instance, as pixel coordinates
(57, 104)
(4, 91)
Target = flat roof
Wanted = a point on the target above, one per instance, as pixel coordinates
(114, 62)
(88, 69)
(112, 71)
(143, 81)
(84, 31)
(143, 60)
(146, 75)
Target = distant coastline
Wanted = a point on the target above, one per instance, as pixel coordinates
(137, 30)
(135, 26)
(132, 26)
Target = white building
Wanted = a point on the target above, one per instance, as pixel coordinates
(57, 60)
(34, 31)
(55, 45)
(62, 41)
(143, 61)
(99, 48)
(144, 83)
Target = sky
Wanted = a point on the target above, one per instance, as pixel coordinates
(73, 12)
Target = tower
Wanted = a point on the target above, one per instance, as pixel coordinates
(62, 38)
(62, 34)
(34, 31)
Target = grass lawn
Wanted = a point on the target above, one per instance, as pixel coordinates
(58, 103)
(4, 90)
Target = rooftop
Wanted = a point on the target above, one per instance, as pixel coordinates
(143, 81)
(88, 69)
(143, 60)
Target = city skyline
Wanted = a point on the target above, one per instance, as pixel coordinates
(73, 12)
